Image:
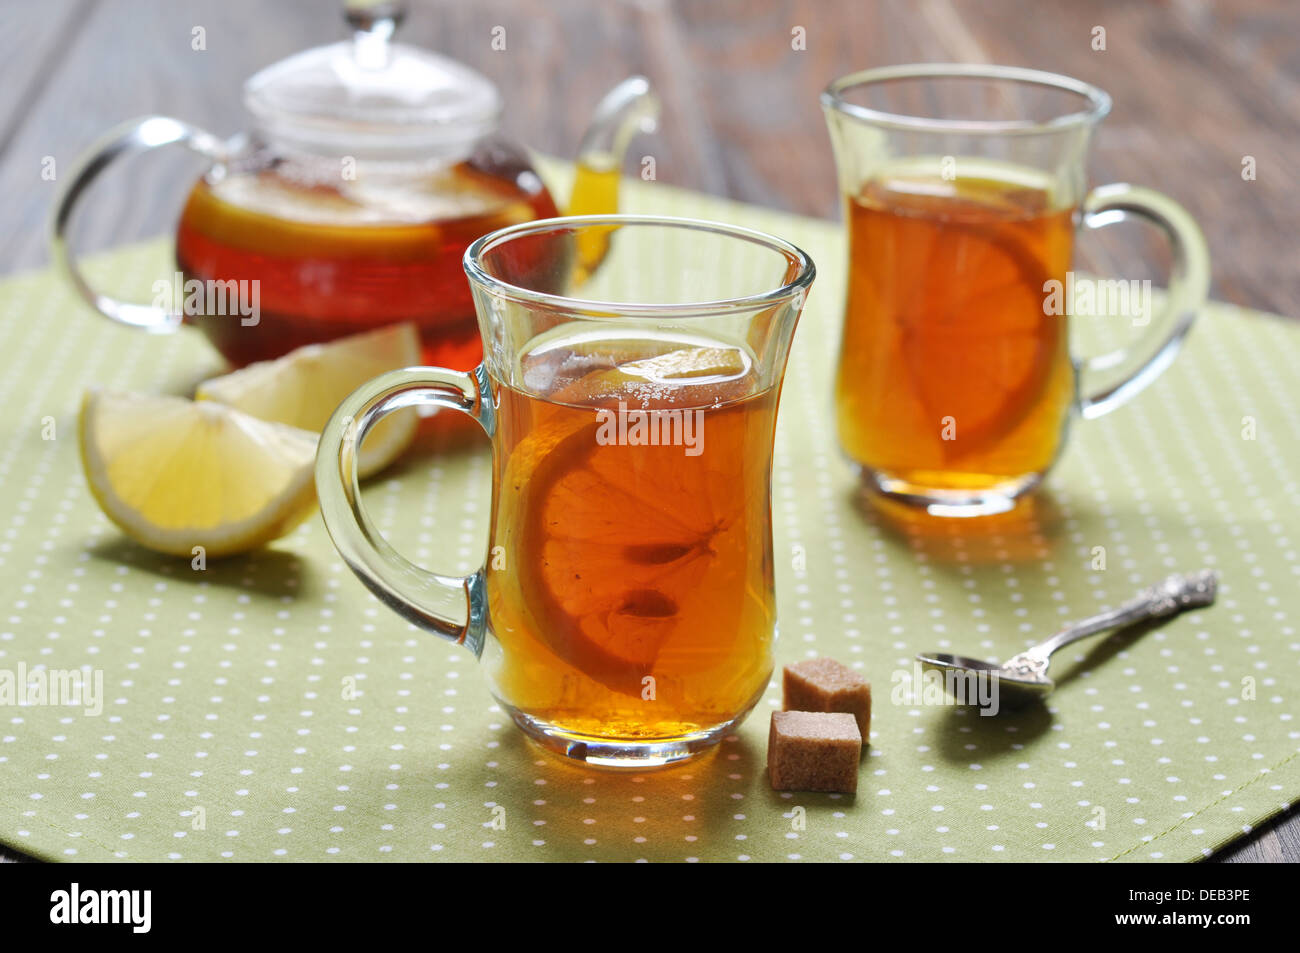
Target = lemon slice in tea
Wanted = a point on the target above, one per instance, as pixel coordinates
(974, 340)
(623, 543)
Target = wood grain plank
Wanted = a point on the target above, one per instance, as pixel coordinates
(31, 34)
(1278, 842)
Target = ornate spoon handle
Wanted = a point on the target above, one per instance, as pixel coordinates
(1168, 597)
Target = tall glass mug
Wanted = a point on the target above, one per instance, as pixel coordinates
(964, 187)
(626, 613)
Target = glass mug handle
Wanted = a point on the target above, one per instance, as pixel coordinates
(453, 607)
(135, 136)
(1109, 380)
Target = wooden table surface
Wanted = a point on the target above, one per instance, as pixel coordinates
(1198, 87)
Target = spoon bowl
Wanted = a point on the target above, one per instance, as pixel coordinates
(1008, 688)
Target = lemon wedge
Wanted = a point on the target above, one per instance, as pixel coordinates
(175, 474)
(303, 388)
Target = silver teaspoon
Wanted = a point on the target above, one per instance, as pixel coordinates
(1023, 678)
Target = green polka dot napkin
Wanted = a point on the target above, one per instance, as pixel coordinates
(230, 728)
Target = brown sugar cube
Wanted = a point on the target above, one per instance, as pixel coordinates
(823, 684)
(813, 751)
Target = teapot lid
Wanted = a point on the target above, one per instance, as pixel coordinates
(372, 98)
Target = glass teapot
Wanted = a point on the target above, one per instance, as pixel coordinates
(369, 168)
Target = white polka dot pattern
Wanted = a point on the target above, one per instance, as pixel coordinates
(230, 730)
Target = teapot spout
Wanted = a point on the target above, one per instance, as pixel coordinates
(628, 109)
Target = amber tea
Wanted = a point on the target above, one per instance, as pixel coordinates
(632, 591)
(335, 258)
(952, 376)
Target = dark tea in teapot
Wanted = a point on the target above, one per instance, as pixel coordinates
(336, 256)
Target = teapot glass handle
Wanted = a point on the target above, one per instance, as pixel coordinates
(135, 136)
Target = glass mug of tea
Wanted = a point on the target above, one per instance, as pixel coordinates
(628, 613)
(964, 187)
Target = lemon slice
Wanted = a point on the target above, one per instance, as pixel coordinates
(175, 474)
(686, 363)
(617, 550)
(303, 388)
